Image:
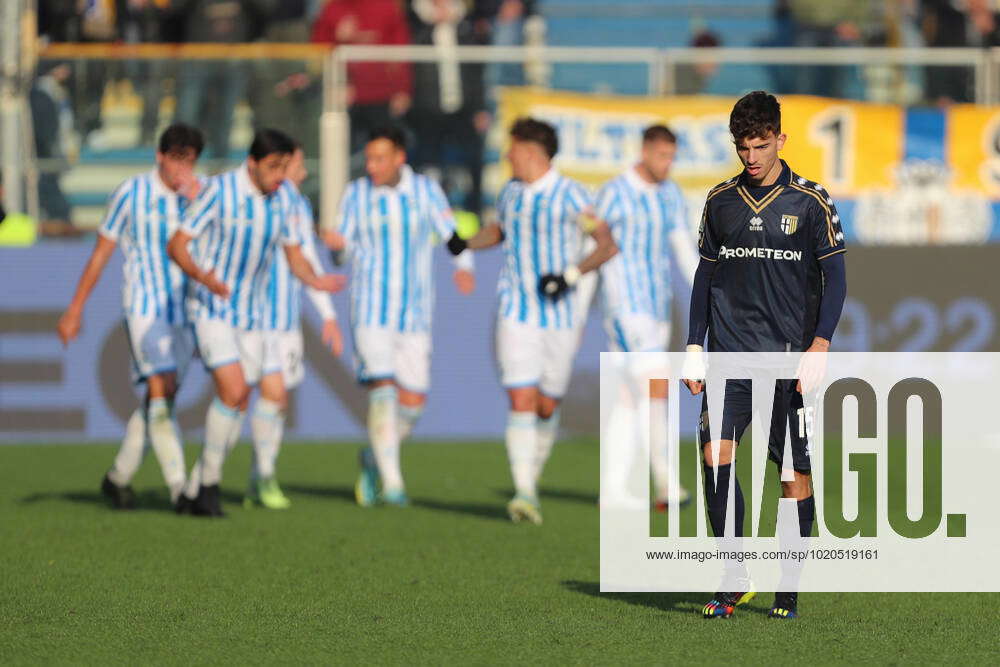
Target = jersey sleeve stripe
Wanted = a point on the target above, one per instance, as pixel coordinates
(718, 189)
(831, 254)
(112, 227)
(826, 209)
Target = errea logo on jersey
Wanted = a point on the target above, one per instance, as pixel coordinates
(761, 253)
(756, 224)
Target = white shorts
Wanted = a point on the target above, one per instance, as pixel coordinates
(404, 356)
(158, 347)
(531, 356)
(220, 343)
(633, 332)
(290, 351)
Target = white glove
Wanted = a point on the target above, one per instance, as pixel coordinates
(694, 364)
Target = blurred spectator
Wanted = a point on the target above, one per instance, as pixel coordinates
(502, 23)
(208, 91)
(821, 23)
(52, 119)
(81, 21)
(286, 94)
(693, 78)
(894, 84)
(146, 21)
(378, 93)
(956, 23)
(449, 110)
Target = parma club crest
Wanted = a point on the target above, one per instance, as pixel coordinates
(789, 223)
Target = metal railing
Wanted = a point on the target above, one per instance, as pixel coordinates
(985, 63)
(661, 67)
(660, 71)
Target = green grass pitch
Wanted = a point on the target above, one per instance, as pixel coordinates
(448, 580)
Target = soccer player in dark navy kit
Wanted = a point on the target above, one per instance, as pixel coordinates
(771, 279)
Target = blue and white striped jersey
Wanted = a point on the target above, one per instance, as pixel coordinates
(649, 225)
(239, 231)
(391, 233)
(142, 215)
(283, 311)
(542, 234)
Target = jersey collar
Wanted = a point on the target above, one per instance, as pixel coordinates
(543, 183)
(158, 185)
(405, 186)
(245, 183)
(638, 182)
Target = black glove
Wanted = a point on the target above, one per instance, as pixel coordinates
(553, 285)
(456, 244)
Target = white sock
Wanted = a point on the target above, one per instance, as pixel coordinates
(383, 432)
(221, 425)
(166, 442)
(131, 451)
(267, 425)
(408, 416)
(522, 436)
(620, 437)
(194, 479)
(656, 433)
(547, 431)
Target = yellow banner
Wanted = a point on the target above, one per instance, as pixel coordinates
(899, 175)
(845, 146)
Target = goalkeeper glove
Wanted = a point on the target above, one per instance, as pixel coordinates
(456, 244)
(554, 285)
(694, 364)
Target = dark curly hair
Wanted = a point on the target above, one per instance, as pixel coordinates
(537, 131)
(755, 115)
(180, 137)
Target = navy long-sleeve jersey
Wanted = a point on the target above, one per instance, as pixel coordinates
(767, 242)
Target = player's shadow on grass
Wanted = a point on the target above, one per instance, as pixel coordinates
(481, 510)
(144, 500)
(345, 493)
(686, 603)
(571, 495)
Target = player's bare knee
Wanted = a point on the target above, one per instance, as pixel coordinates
(720, 455)
(278, 398)
(169, 386)
(272, 388)
(800, 488)
(546, 406)
(412, 399)
(235, 394)
(658, 388)
(523, 399)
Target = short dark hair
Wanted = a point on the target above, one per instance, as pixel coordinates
(267, 142)
(179, 137)
(540, 132)
(391, 134)
(658, 133)
(755, 115)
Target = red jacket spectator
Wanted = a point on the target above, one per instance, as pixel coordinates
(368, 22)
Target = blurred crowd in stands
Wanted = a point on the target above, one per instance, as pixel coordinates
(448, 119)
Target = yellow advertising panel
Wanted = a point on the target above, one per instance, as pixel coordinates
(599, 135)
(914, 176)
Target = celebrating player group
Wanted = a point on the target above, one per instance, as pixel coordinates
(215, 269)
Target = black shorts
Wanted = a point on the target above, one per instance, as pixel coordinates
(788, 409)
